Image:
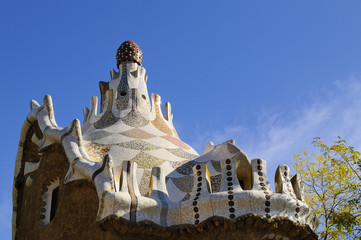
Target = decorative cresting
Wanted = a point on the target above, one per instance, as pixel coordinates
(141, 169)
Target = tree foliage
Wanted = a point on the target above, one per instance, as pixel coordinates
(332, 181)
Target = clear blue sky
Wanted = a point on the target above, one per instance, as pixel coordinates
(270, 74)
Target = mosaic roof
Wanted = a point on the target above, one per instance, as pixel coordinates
(142, 170)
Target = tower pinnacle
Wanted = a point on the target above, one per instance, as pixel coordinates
(129, 51)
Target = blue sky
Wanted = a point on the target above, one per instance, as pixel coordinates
(270, 74)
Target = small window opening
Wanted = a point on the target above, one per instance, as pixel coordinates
(54, 202)
(241, 183)
(123, 93)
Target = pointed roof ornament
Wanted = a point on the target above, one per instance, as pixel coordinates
(129, 51)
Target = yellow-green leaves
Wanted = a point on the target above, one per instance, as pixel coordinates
(332, 180)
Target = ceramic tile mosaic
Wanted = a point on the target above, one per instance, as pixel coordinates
(159, 141)
(147, 161)
(112, 139)
(165, 155)
(184, 184)
(176, 142)
(96, 135)
(140, 145)
(123, 91)
(137, 133)
(96, 152)
(186, 168)
(297, 185)
(130, 142)
(177, 164)
(118, 127)
(216, 183)
(182, 154)
(159, 123)
(216, 166)
(106, 120)
(144, 183)
(150, 128)
(129, 51)
(232, 148)
(117, 171)
(283, 181)
(120, 154)
(135, 119)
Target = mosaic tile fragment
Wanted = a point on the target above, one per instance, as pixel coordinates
(144, 183)
(176, 142)
(159, 123)
(216, 165)
(140, 145)
(96, 135)
(181, 153)
(147, 161)
(135, 119)
(186, 168)
(96, 151)
(106, 120)
(123, 91)
(216, 182)
(137, 133)
(184, 184)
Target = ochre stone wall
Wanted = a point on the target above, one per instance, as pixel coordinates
(77, 208)
(248, 227)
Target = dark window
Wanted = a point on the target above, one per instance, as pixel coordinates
(241, 183)
(54, 202)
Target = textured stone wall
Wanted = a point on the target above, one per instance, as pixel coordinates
(248, 227)
(77, 208)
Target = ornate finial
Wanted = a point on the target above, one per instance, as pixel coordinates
(129, 51)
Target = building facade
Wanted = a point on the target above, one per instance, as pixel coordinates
(124, 173)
